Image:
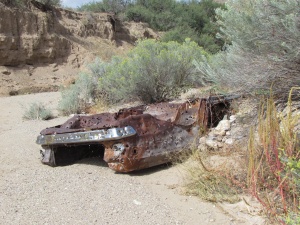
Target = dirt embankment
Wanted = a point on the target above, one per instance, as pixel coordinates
(43, 49)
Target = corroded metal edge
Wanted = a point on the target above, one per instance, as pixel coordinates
(87, 136)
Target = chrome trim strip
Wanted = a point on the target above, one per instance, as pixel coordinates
(86, 136)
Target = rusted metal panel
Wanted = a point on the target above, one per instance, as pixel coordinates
(134, 138)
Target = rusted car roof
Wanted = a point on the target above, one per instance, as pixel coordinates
(133, 138)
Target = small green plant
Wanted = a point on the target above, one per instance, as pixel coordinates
(37, 111)
(79, 96)
(50, 2)
(292, 219)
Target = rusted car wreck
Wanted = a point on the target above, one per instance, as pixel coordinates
(133, 138)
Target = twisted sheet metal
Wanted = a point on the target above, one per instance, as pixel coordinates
(157, 131)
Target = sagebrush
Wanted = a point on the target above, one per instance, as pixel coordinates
(37, 111)
(262, 48)
(79, 96)
(153, 71)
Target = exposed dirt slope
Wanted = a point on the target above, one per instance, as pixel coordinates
(40, 50)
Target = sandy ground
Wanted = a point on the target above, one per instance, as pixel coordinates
(88, 192)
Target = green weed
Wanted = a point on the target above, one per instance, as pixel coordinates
(37, 111)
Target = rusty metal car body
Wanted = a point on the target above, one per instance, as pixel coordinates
(133, 138)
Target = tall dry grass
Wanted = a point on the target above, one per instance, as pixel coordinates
(273, 170)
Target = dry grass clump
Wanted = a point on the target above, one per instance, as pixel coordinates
(211, 184)
(37, 111)
(274, 162)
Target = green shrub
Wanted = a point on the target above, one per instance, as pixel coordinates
(139, 13)
(14, 3)
(179, 34)
(50, 2)
(265, 47)
(37, 111)
(116, 6)
(152, 72)
(292, 219)
(26, 3)
(180, 19)
(79, 96)
(209, 43)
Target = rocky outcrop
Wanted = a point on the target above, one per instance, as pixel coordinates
(31, 37)
(41, 49)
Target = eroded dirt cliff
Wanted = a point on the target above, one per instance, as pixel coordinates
(41, 49)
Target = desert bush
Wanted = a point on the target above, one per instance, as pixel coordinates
(264, 50)
(14, 3)
(209, 43)
(181, 20)
(179, 34)
(194, 18)
(37, 111)
(152, 72)
(95, 7)
(26, 3)
(79, 96)
(115, 6)
(274, 161)
(50, 2)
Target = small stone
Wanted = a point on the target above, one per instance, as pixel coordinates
(220, 132)
(224, 125)
(220, 145)
(229, 141)
(232, 118)
(137, 202)
(6, 72)
(219, 138)
(212, 134)
(202, 140)
(211, 143)
(202, 147)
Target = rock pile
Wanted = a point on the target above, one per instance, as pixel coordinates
(228, 133)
